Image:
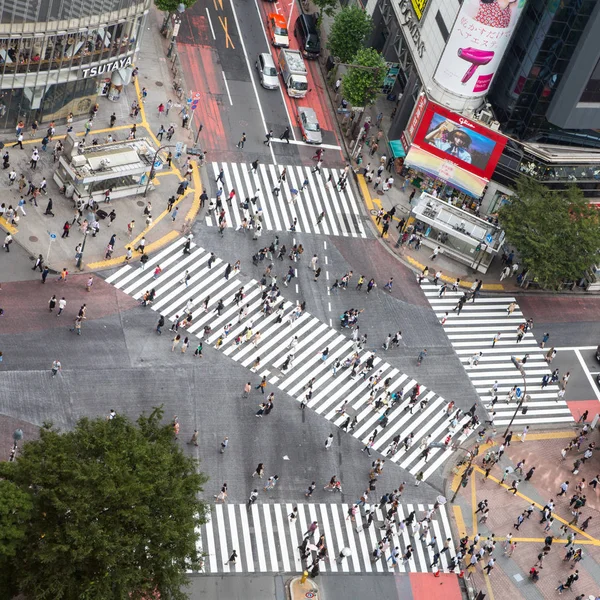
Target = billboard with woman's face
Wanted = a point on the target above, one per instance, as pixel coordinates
(476, 44)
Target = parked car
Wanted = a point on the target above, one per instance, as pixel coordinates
(309, 125)
(307, 34)
(267, 73)
(278, 30)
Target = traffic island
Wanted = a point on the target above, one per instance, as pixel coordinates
(302, 588)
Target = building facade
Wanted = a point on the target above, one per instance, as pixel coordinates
(58, 56)
(548, 87)
(450, 50)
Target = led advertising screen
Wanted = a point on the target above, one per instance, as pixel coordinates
(468, 144)
(455, 149)
(476, 44)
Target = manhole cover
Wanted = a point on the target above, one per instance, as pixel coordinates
(159, 83)
(32, 238)
(140, 203)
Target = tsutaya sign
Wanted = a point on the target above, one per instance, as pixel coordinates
(409, 21)
(115, 65)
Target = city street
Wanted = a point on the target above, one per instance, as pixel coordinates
(258, 352)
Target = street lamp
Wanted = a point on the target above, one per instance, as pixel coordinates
(177, 24)
(152, 169)
(524, 397)
(469, 468)
(80, 253)
(17, 437)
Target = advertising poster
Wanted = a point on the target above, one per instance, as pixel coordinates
(450, 147)
(476, 44)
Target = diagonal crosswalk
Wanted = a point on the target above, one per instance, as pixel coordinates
(267, 540)
(363, 400)
(279, 210)
(473, 330)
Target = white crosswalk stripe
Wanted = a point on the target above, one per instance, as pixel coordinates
(267, 540)
(278, 210)
(428, 423)
(473, 330)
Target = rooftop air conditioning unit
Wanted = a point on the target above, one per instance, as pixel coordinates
(485, 116)
(78, 161)
(495, 125)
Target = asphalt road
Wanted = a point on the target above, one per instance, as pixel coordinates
(219, 43)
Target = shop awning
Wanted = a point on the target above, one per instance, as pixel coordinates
(396, 149)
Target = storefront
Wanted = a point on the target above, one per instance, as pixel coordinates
(461, 235)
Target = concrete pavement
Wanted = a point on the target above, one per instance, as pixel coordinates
(33, 230)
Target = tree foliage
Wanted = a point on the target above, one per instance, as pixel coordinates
(114, 507)
(349, 30)
(326, 6)
(557, 234)
(361, 86)
(171, 5)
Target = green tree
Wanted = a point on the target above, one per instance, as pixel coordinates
(557, 234)
(171, 6)
(326, 6)
(115, 507)
(15, 511)
(360, 86)
(349, 30)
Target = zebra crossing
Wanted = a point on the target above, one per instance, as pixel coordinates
(277, 211)
(473, 331)
(267, 540)
(330, 392)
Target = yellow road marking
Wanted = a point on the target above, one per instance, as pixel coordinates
(460, 522)
(113, 262)
(370, 202)
(8, 227)
(539, 506)
(228, 40)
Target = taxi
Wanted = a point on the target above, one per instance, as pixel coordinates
(278, 32)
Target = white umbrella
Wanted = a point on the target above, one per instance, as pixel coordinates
(441, 499)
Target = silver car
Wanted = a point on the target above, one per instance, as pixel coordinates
(267, 73)
(309, 125)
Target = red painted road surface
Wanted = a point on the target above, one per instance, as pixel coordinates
(578, 407)
(560, 309)
(25, 303)
(425, 586)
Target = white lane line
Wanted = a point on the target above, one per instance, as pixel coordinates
(210, 23)
(262, 26)
(260, 110)
(587, 373)
(227, 88)
(298, 143)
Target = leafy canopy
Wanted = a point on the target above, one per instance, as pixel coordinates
(107, 511)
(361, 86)
(171, 5)
(349, 30)
(557, 234)
(326, 6)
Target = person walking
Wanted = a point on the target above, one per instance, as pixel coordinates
(329, 441)
(285, 135)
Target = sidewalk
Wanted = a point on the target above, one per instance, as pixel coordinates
(510, 576)
(33, 230)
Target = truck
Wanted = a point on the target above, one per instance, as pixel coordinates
(293, 71)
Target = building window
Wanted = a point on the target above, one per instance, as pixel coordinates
(591, 93)
(443, 29)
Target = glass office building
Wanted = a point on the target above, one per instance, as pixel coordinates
(548, 86)
(58, 56)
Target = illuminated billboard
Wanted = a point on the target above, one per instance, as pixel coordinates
(476, 44)
(460, 151)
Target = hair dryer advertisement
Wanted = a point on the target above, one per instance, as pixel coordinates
(476, 44)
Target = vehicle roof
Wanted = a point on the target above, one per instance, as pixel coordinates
(279, 20)
(267, 59)
(310, 113)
